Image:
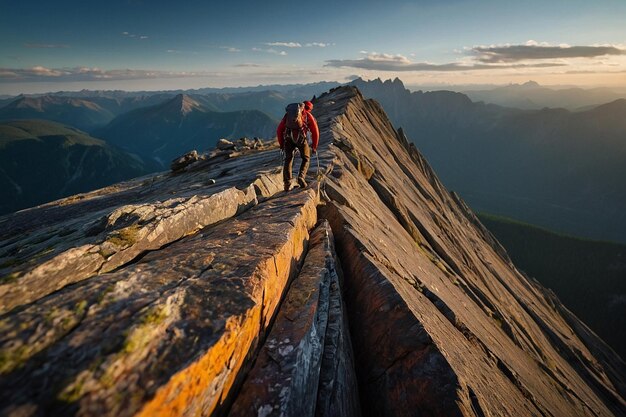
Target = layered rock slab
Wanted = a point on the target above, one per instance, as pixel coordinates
(47, 247)
(171, 334)
(442, 322)
(305, 367)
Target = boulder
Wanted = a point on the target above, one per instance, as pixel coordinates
(183, 161)
(244, 142)
(225, 145)
(257, 144)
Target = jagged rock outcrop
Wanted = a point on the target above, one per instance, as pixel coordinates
(184, 161)
(170, 295)
(225, 144)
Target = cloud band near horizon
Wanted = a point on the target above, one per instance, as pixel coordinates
(387, 62)
(478, 58)
(40, 73)
(531, 55)
(515, 53)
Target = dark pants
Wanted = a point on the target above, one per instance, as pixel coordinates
(305, 153)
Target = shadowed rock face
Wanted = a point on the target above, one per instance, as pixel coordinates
(441, 320)
(210, 292)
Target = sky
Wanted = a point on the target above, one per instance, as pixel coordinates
(162, 45)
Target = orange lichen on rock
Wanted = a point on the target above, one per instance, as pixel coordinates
(205, 384)
(227, 282)
(186, 390)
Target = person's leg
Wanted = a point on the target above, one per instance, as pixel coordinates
(305, 153)
(288, 165)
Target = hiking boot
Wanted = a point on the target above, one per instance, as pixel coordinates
(301, 182)
(287, 186)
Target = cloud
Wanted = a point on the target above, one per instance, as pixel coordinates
(46, 45)
(318, 44)
(537, 51)
(270, 51)
(532, 54)
(248, 65)
(285, 44)
(132, 35)
(299, 45)
(389, 62)
(594, 72)
(40, 73)
(178, 51)
(352, 77)
(230, 48)
(9, 74)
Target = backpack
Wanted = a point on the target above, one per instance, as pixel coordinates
(295, 122)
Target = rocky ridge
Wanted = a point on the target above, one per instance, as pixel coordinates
(374, 291)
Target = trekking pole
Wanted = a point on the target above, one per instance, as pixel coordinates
(317, 157)
(320, 176)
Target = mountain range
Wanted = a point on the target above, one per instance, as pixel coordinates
(86, 113)
(41, 161)
(551, 167)
(91, 110)
(531, 95)
(555, 168)
(83, 114)
(181, 124)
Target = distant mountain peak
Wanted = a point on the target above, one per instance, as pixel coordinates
(396, 81)
(81, 113)
(390, 85)
(615, 107)
(184, 104)
(531, 84)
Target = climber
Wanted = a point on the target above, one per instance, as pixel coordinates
(292, 135)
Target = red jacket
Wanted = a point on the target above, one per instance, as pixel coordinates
(311, 125)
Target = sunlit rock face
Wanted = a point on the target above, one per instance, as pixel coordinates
(211, 291)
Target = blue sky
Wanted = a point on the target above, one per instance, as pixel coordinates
(141, 44)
